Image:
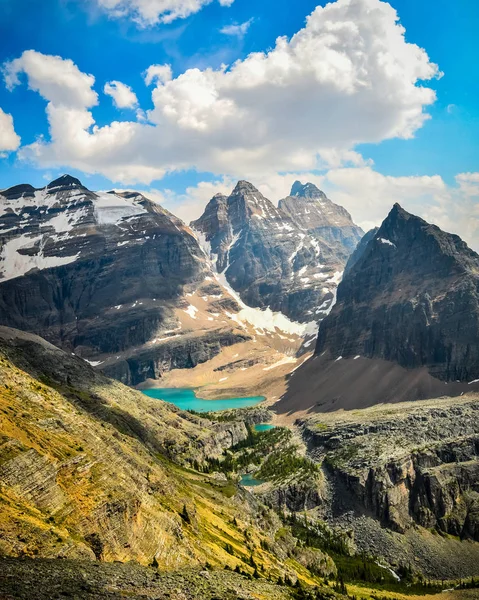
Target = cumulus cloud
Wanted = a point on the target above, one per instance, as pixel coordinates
(347, 77)
(147, 13)
(468, 183)
(56, 79)
(238, 30)
(9, 140)
(158, 73)
(122, 94)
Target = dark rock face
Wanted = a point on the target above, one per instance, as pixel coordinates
(96, 273)
(418, 466)
(360, 249)
(412, 298)
(311, 210)
(271, 259)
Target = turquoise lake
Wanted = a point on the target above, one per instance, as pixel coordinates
(185, 398)
(248, 480)
(263, 427)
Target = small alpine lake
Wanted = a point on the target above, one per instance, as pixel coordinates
(248, 480)
(263, 427)
(186, 399)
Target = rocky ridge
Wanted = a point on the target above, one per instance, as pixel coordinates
(288, 258)
(92, 470)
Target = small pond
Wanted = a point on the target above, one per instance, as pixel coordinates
(263, 427)
(248, 480)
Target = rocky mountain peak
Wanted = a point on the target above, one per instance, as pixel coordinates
(64, 183)
(410, 298)
(412, 237)
(307, 190)
(310, 209)
(244, 187)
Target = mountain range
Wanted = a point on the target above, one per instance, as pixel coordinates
(288, 258)
(123, 283)
(367, 482)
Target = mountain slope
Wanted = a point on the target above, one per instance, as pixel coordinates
(268, 258)
(91, 469)
(405, 324)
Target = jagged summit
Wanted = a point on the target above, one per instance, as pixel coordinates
(405, 231)
(311, 210)
(65, 182)
(269, 257)
(307, 190)
(244, 187)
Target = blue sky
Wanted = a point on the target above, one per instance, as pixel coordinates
(110, 48)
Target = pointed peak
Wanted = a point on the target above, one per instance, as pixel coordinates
(397, 212)
(65, 182)
(296, 188)
(245, 187)
(306, 190)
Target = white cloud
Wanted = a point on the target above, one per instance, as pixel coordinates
(468, 183)
(238, 30)
(147, 13)
(348, 77)
(122, 94)
(9, 140)
(158, 73)
(56, 79)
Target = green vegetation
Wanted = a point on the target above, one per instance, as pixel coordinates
(358, 569)
(253, 450)
(283, 463)
(217, 417)
(342, 456)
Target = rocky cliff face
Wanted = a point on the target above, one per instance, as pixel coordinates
(93, 272)
(412, 298)
(277, 257)
(412, 465)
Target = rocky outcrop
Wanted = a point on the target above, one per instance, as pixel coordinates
(271, 256)
(412, 298)
(407, 466)
(296, 497)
